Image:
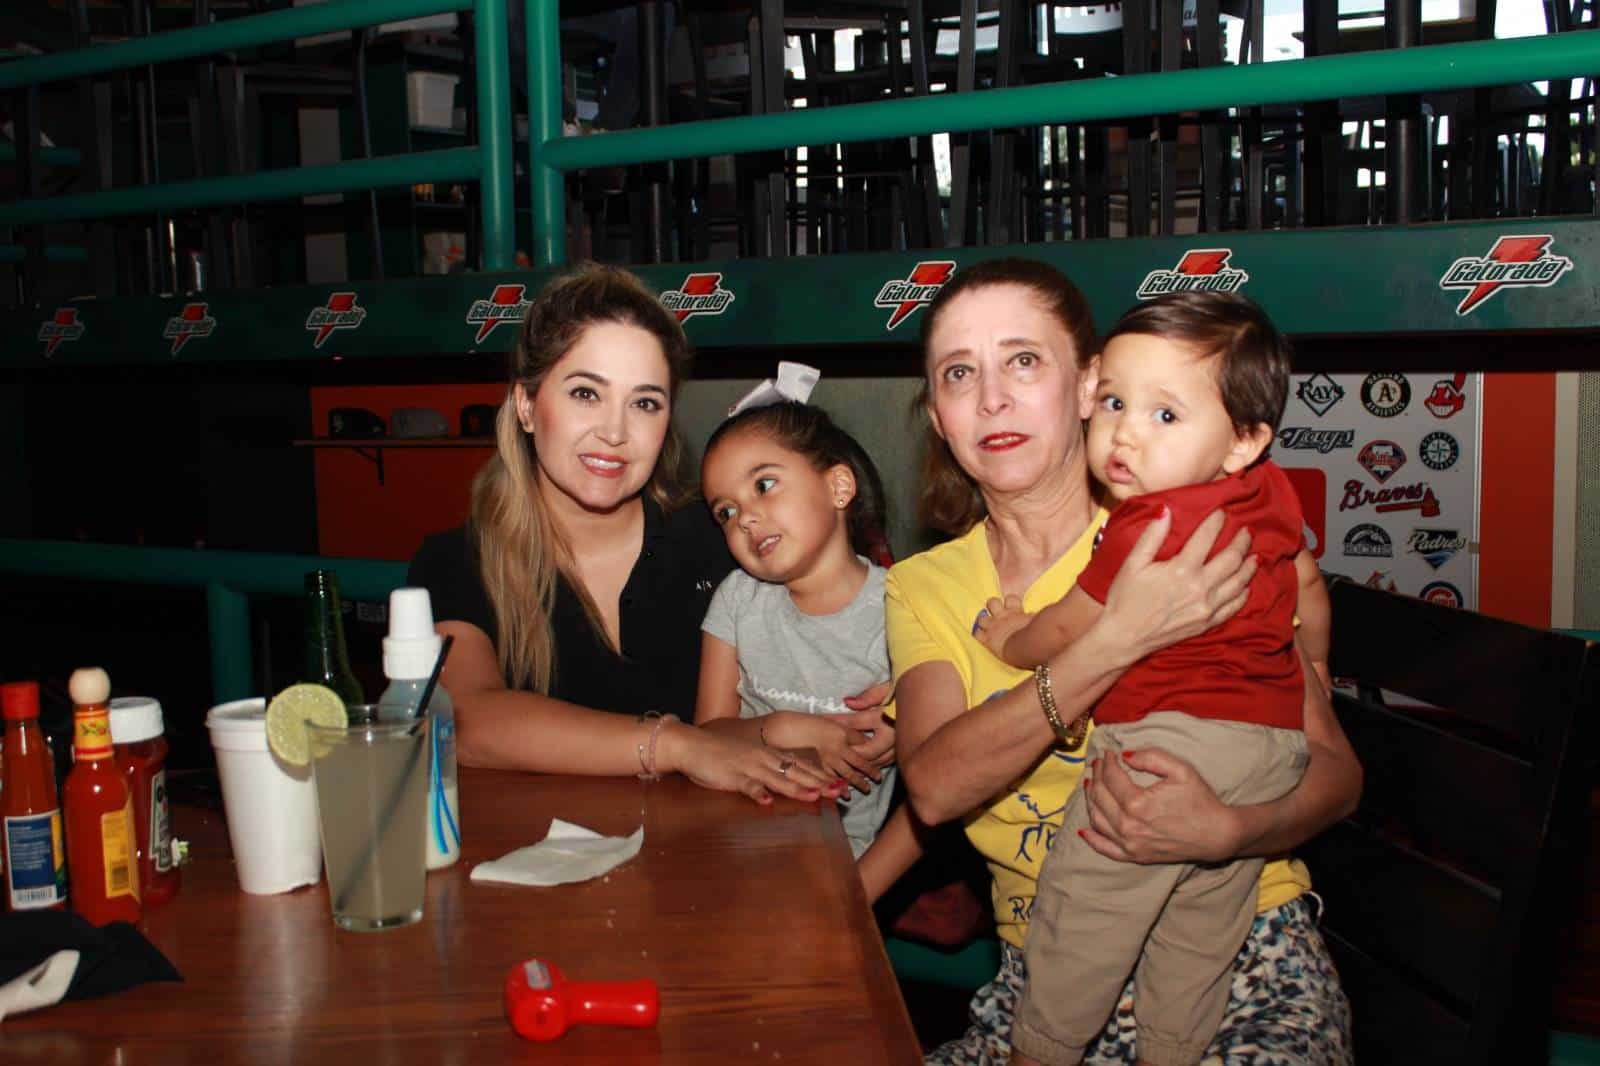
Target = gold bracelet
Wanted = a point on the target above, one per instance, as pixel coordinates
(1070, 736)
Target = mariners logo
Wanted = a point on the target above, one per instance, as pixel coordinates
(1306, 439)
(1521, 262)
(905, 295)
(504, 305)
(1319, 392)
(1436, 546)
(1367, 541)
(1202, 270)
(192, 321)
(1441, 592)
(60, 329)
(1438, 451)
(341, 312)
(700, 294)
(1446, 397)
(1381, 458)
(1385, 395)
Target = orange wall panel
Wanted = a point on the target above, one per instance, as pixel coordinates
(1516, 499)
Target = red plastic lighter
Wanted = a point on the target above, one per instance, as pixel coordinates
(542, 1004)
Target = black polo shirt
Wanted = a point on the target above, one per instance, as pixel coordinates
(681, 561)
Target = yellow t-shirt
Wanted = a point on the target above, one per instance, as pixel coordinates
(932, 601)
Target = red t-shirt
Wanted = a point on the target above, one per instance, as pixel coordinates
(1245, 670)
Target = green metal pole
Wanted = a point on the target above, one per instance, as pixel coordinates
(1435, 67)
(545, 182)
(50, 157)
(449, 164)
(53, 253)
(232, 671)
(494, 136)
(246, 32)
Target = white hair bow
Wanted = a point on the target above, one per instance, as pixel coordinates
(794, 384)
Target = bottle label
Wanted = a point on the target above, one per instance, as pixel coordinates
(160, 823)
(36, 861)
(116, 840)
(91, 734)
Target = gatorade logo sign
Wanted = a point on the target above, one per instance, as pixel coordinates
(1201, 270)
(1519, 262)
(340, 312)
(192, 321)
(700, 294)
(504, 305)
(60, 329)
(905, 295)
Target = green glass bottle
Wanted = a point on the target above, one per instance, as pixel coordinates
(327, 661)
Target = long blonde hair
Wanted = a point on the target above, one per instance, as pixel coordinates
(521, 549)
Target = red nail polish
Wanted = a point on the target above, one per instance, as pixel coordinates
(1083, 834)
(1129, 753)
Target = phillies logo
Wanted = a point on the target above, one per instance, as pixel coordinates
(192, 321)
(60, 329)
(1514, 262)
(1418, 497)
(1319, 392)
(1202, 270)
(905, 295)
(1446, 398)
(504, 305)
(700, 294)
(1441, 592)
(1381, 458)
(341, 312)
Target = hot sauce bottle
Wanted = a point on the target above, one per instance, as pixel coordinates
(30, 818)
(102, 846)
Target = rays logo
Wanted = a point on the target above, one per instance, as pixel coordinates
(1381, 458)
(1369, 542)
(1319, 392)
(504, 305)
(1201, 270)
(1306, 439)
(340, 312)
(1439, 450)
(1436, 546)
(700, 294)
(192, 321)
(905, 295)
(1520, 262)
(61, 328)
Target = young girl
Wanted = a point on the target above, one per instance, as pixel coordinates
(799, 628)
(1182, 405)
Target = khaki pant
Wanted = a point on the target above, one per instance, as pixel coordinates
(1176, 927)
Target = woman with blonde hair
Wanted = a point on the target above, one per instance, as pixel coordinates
(576, 590)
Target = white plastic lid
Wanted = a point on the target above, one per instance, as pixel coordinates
(412, 647)
(135, 718)
(239, 726)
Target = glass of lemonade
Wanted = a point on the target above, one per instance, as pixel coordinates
(372, 789)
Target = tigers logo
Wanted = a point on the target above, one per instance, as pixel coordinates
(1201, 270)
(60, 329)
(905, 295)
(700, 294)
(1520, 262)
(340, 312)
(504, 305)
(192, 321)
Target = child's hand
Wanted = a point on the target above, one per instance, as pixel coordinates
(999, 620)
(878, 747)
(838, 746)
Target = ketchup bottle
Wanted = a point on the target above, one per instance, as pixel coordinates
(141, 750)
(35, 860)
(102, 847)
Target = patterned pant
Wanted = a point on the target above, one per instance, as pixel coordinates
(1285, 1008)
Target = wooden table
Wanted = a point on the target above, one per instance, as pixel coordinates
(752, 922)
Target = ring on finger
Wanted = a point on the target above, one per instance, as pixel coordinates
(784, 764)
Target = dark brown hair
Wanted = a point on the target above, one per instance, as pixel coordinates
(1253, 360)
(950, 501)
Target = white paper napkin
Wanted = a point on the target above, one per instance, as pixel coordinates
(41, 986)
(568, 853)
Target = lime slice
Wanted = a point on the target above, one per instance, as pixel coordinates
(288, 714)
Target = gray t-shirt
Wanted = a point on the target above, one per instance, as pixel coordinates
(792, 661)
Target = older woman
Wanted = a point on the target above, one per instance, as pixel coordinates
(1004, 343)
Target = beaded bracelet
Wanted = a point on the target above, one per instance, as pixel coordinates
(1070, 736)
(647, 756)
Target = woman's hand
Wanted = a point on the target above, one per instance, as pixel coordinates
(731, 764)
(1176, 819)
(1154, 605)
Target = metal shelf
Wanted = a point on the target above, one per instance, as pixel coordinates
(372, 448)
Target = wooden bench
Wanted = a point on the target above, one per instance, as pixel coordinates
(1446, 890)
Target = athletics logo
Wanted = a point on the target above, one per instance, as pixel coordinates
(905, 295)
(341, 312)
(504, 305)
(1319, 392)
(192, 321)
(1446, 398)
(1381, 458)
(700, 294)
(1439, 450)
(59, 330)
(1514, 262)
(1385, 394)
(1436, 546)
(1202, 270)
(1306, 439)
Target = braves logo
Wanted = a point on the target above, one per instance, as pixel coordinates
(1200, 270)
(1417, 497)
(60, 329)
(700, 294)
(905, 295)
(192, 321)
(1520, 262)
(504, 305)
(1446, 397)
(340, 312)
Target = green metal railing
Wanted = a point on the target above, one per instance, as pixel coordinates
(489, 163)
(228, 577)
